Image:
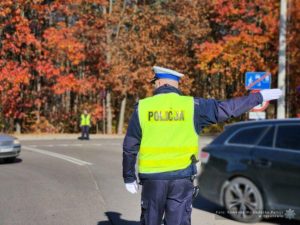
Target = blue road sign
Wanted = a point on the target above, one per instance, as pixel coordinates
(257, 80)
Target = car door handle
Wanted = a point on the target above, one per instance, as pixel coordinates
(262, 162)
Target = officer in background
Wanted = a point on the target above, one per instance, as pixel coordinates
(85, 123)
(164, 130)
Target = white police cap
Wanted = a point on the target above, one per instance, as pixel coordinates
(164, 73)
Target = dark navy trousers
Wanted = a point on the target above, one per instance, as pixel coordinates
(168, 199)
(85, 132)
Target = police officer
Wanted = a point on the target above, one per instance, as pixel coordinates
(85, 123)
(164, 130)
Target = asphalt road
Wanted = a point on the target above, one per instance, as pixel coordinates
(72, 182)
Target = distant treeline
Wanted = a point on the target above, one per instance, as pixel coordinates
(60, 57)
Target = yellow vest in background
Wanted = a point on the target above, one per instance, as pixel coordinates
(169, 139)
(85, 120)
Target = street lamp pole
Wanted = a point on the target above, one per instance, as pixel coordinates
(281, 104)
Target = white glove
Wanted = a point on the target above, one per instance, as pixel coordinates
(132, 187)
(271, 94)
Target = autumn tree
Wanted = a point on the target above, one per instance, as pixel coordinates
(293, 58)
(152, 33)
(51, 62)
(244, 37)
(58, 57)
(18, 50)
(75, 43)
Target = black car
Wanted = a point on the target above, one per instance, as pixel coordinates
(253, 170)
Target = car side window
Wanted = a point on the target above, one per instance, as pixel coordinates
(248, 136)
(288, 136)
(267, 140)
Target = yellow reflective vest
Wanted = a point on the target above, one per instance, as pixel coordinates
(169, 139)
(85, 120)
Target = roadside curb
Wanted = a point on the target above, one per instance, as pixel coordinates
(48, 137)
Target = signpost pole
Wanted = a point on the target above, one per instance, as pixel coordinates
(281, 111)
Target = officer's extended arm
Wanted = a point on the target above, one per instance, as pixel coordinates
(210, 111)
(237, 106)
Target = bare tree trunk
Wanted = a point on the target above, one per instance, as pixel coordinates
(1, 114)
(38, 116)
(222, 86)
(104, 116)
(108, 59)
(109, 112)
(122, 115)
(18, 127)
(121, 18)
(76, 103)
(11, 124)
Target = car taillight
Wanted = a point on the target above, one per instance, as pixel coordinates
(204, 157)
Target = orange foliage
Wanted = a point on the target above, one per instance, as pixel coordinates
(63, 44)
(58, 57)
(293, 57)
(244, 38)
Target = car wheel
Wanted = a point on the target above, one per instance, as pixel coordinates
(243, 200)
(10, 160)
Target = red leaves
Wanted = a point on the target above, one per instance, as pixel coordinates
(245, 32)
(12, 77)
(47, 69)
(13, 74)
(64, 84)
(44, 49)
(96, 113)
(63, 44)
(293, 56)
(57, 57)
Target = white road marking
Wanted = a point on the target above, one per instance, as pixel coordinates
(58, 145)
(79, 145)
(57, 155)
(33, 146)
(63, 145)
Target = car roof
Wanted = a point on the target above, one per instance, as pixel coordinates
(240, 125)
(6, 136)
(264, 122)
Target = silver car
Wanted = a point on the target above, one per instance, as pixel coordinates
(10, 148)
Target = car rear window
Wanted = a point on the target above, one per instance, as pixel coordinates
(248, 136)
(267, 140)
(288, 136)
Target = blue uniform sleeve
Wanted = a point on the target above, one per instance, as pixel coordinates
(206, 113)
(131, 146)
(210, 111)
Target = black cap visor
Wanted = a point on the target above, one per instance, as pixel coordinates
(152, 81)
